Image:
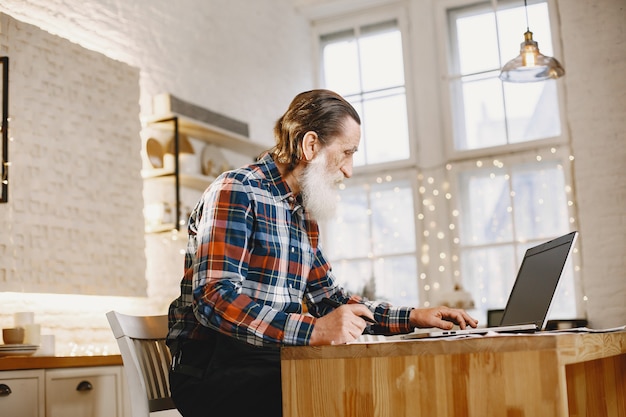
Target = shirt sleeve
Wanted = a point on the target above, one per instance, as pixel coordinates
(225, 224)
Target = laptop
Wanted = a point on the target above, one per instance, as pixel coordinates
(531, 296)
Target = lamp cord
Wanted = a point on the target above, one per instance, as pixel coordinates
(526, 10)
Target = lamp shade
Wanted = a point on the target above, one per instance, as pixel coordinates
(530, 65)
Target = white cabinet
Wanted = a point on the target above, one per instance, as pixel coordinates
(63, 392)
(22, 393)
(84, 392)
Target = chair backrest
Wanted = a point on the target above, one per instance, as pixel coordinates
(147, 360)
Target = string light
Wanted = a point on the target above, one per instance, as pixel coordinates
(431, 187)
(440, 222)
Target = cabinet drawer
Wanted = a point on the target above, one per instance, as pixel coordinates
(84, 392)
(22, 393)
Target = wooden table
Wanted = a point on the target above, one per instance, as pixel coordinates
(538, 375)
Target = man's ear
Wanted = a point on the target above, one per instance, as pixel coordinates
(310, 146)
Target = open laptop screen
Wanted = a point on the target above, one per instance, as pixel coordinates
(537, 281)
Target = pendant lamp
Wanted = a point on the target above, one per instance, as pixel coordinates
(530, 65)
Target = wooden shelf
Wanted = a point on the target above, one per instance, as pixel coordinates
(175, 116)
(209, 134)
(195, 181)
(161, 228)
(203, 124)
(198, 182)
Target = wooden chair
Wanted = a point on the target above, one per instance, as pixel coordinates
(147, 360)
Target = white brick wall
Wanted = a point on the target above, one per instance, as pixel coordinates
(594, 45)
(73, 221)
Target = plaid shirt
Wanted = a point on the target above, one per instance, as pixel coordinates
(252, 257)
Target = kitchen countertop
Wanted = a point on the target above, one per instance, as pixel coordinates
(10, 363)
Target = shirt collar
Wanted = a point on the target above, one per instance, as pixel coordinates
(277, 185)
(281, 192)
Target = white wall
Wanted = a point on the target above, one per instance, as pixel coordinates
(243, 59)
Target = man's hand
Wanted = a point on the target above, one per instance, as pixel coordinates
(340, 326)
(442, 317)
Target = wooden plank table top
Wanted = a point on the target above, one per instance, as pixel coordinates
(549, 374)
(572, 347)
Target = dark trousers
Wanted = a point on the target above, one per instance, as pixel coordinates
(226, 377)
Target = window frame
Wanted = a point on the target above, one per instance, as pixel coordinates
(426, 38)
(513, 153)
(358, 18)
(400, 170)
(561, 155)
(446, 63)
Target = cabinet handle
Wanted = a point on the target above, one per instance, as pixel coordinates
(5, 390)
(84, 386)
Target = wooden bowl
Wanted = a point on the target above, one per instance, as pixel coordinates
(14, 336)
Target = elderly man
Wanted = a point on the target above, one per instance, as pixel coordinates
(253, 258)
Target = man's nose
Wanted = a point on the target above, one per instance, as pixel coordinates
(347, 169)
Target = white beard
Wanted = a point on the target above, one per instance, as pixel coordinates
(319, 189)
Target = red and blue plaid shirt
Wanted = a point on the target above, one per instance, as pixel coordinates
(252, 257)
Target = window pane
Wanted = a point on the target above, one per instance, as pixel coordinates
(488, 274)
(486, 208)
(353, 275)
(396, 280)
(393, 228)
(483, 123)
(380, 214)
(381, 60)
(341, 66)
(537, 200)
(541, 209)
(563, 305)
(477, 43)
(530, 111)
(350, 227)
(385, 128)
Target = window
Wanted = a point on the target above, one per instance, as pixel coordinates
(506, 207)
(467, 212)
(508, 197)
(372, 241)
(487, 112)
(364, 64)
